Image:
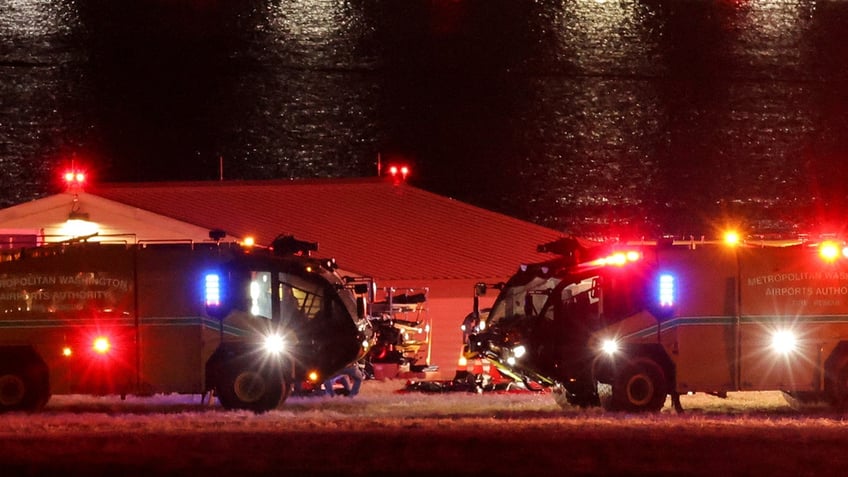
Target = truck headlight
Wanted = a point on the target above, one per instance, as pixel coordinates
(609, 346)
(274, 344)
(784, 341)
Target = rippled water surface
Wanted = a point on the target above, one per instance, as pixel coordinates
(582, 115)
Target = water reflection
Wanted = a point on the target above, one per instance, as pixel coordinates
(36, 18)
(574, 114)
(309, 21)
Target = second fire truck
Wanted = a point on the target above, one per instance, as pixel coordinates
(626, 326)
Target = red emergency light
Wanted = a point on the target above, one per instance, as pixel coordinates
(829, 251)
(618, 259)
(74, 179)
(399, 172)
(101, 345)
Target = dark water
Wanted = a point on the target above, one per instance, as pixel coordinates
(583, 115)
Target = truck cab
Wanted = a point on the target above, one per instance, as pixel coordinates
(118, 317)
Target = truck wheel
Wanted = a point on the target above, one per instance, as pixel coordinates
(24, 388)
(251, 389)
(639, 387)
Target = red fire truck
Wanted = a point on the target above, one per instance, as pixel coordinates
(111, 317)
(625, 326)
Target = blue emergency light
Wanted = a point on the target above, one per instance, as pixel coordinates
(212, 290)
(666, 290)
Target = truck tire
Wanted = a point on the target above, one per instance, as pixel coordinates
(244, 387)
(24, 387)
(640, 386)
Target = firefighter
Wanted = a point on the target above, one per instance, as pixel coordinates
(350, 379)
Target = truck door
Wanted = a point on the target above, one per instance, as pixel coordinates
(784, 299)
(700, 337)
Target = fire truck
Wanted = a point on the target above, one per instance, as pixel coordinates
(625, 326)
(139, 318)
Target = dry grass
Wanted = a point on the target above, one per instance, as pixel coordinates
(382, 432)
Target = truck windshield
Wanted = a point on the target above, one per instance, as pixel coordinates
(542, 297)
(307, 298)
(522, 300)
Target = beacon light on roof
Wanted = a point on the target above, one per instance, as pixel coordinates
(74, 179)
(71, 177)
(731, 238)
(618, 259)
(402, 171)
(829, 251)
(399, 173)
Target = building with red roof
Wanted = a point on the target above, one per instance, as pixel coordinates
(400, 235)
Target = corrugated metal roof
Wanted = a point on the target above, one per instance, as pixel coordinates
(370, 226)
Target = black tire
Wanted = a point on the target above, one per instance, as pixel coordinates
(24, 387)
(243, 387)
(640, 386)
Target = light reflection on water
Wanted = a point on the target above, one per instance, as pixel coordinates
(566, 113)
(36, 19)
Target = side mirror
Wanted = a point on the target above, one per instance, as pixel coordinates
(361, 307)
(480, 289)
(360, 288)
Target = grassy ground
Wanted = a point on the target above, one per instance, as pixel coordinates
(382, 432)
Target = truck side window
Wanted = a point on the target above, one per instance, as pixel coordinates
(260, 294)
(299, 298)
(622, 298)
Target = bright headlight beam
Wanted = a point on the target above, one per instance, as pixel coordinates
(784, 341)
(519, 351)
(274, 344)
(609, 346)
